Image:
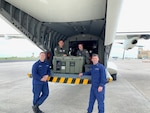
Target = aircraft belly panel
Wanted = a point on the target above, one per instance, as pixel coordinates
(62, 10)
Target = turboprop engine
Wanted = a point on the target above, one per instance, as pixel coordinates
(130, 43)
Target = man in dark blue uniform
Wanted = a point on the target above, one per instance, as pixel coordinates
(40, 73)
(98, 77)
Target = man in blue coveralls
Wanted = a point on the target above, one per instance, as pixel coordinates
(98, 77)
(40, 73)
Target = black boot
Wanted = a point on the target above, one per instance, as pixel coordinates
(35, 109)
(40, 111)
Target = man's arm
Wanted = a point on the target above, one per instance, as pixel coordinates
(103, 79)
(87, 56)
(35, 75)
(66, 52)
(87, 73)
(55, 52)
(48, 70)
(77, 53)
(45, 77)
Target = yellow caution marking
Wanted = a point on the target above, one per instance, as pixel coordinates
(54, 79)
(62, 80)
(110, 79)
(48, 78)
(85, 81)
(69, 80)
(77, 81)
(29, 75)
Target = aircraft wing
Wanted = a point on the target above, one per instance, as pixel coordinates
(131, 38)
(10, 36)
(128, 35)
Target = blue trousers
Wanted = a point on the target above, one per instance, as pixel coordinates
(40, 93)
(99, 96)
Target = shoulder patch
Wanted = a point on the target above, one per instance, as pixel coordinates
(55, 49)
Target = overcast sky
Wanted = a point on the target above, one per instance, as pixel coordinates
(134, 17)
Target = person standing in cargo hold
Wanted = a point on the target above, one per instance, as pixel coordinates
(60, 50)
(98, 77)
(83, 52)
(40, 73)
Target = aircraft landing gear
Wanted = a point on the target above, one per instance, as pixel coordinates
(114, 76)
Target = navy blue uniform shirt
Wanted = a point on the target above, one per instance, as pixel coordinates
(98, 75)
(39, 69)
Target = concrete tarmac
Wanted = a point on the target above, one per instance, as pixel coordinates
(129, 94)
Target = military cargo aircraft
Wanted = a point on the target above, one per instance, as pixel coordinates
(90, 22)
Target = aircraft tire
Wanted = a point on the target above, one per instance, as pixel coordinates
(114, 76)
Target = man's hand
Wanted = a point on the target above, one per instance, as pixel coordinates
(80, 74)
(45, 78)
(100, 89)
